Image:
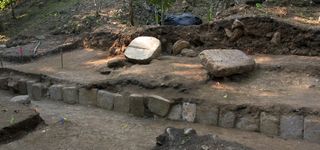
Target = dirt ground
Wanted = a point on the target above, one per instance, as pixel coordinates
(92, 128)
(284, 80)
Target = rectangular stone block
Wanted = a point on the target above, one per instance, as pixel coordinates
(70, 95)
(4, 83)
(227, 119)
(22, 87)
(29, 87)
(248, 122)
(137, 107)
(291, 126)
(269, 124)
(159, 105)
(55, 92)
(312, 129)
(38, 92)
(88, 96)
(207, 115)
(189, 111)
(106, 99)
(175, 112)
(122, 104)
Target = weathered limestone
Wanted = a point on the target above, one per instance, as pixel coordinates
(159, 105)
(22, 99)
(22, 87)
(70, 95)
(312, 128)
(227, 119)
(143, 49)
(189, 111)
(175, 112)
(88, 96)
(226, 62)
(121, 104)
(207, 115)
(106, 99)
(38, 92)
(55, 92)
(291, 126)
(269, 124)
(179, 46)
(137, 107)
(248, 122)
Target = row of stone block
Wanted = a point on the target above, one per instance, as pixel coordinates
(286, 125)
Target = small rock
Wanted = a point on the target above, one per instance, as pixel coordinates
(226, 62)
(237, 24)
(188, 53)
(22, 99)
(2, 46)
(228, 32)
(236, 34)
(179, 46)
(40, 37)
(276, 38)
(143, 49)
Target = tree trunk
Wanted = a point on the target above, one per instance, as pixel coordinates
(131, 15)
(162, 12)
(12, 11)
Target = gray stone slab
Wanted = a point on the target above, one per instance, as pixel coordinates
(122, 104)
(159, 105)
(143, 49)
(22, 99)
(312, 129)
(248, 122)
(88, 96)
(29, 87)
(22, 86)
(269, 124)
(175, 112)
(291, 126)
(106, 99)
(38, 92)
(70, 95)
(55, 92)
(207, 115)
(227, 119)
(226, 62)
(137, 104)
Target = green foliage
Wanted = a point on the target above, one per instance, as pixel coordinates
(163, 6)
(5, 3)
(259, 5)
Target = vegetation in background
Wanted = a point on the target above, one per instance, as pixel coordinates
(5, 3)
(163, 6)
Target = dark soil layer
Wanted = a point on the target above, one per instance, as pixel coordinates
(256, 37)
(187, 139)
(16, 121)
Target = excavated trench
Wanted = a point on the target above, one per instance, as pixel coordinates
(260, 101)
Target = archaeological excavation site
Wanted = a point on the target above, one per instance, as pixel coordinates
(159, 75)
